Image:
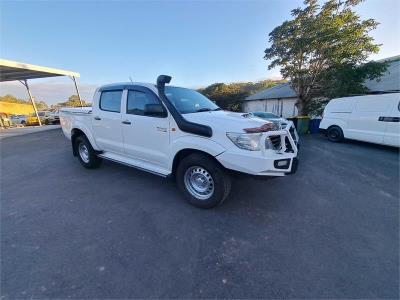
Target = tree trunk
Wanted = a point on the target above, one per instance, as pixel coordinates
(301, 107)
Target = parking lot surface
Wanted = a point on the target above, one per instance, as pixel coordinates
(329, 231)
(16, 131)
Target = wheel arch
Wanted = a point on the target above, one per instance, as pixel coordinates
(335, 125)
(330, 122)
(186, 145)
(76, 132)
(181, 154)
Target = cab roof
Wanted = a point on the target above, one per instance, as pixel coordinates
(127, 85)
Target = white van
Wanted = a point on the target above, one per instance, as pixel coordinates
(372, 118)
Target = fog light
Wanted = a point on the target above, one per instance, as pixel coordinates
(282, 163)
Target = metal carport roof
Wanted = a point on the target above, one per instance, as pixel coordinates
(17, 71)
(12, 70)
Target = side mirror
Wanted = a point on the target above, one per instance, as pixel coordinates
(155, 110)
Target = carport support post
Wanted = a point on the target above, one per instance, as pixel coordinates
(77, 90)
(25, 83)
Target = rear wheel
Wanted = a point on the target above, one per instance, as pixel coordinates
(86, 154)
(203, 181)
(335, 134)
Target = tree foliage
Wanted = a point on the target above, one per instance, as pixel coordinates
(40, 105)
(73, 101)
(323, 44)
(229, 96)
(12, 99)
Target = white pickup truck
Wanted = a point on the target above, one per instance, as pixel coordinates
(173, 131)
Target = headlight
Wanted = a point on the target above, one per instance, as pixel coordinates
(246, 141)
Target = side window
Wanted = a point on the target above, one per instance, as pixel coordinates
(137, 101)
(111, 101)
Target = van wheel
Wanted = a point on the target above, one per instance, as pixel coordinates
(86, 154)
(335, 134)
(203, 181)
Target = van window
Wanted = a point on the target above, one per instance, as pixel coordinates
(111, 101)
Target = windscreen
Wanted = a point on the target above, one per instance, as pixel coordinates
(189, 101)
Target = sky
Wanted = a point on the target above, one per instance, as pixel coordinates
(196, 42)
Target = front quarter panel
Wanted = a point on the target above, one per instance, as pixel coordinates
(197, 143)
(327, 122)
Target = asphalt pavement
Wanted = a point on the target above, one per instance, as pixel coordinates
(329, 231)
(17, 131)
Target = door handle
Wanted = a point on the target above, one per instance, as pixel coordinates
(126, 122)
(389, 119)
(97, 118)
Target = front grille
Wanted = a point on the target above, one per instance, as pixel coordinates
(291, 131)
(288, 145)
(275, 141)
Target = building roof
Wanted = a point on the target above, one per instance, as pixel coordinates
(390, 81)
(12, 70)
(278, 91)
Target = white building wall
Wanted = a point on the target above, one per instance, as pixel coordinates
(282, 107)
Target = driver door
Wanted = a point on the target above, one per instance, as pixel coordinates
(146, 137)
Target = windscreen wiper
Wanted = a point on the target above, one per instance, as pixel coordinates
(208, 109)
(203, 109)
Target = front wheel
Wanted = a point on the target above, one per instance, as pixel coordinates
(86, 154)
(203, 181)
(335, 134)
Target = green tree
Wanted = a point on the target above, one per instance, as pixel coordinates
(321, 44)
(12, 99)
(41, 105)
(73, 101)
(229, 96)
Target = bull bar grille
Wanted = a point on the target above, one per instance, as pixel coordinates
(281, 142)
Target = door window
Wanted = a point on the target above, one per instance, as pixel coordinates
(111, 101)
(137, 101)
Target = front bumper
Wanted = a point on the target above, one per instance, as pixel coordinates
(267, 162)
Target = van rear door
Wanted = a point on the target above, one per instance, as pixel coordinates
(363, 122)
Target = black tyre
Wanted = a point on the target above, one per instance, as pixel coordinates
(86, 154)
(23, 123)
(202, 180)
(335, 134)
(46, 122)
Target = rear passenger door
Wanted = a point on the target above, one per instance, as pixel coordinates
(107, 127)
